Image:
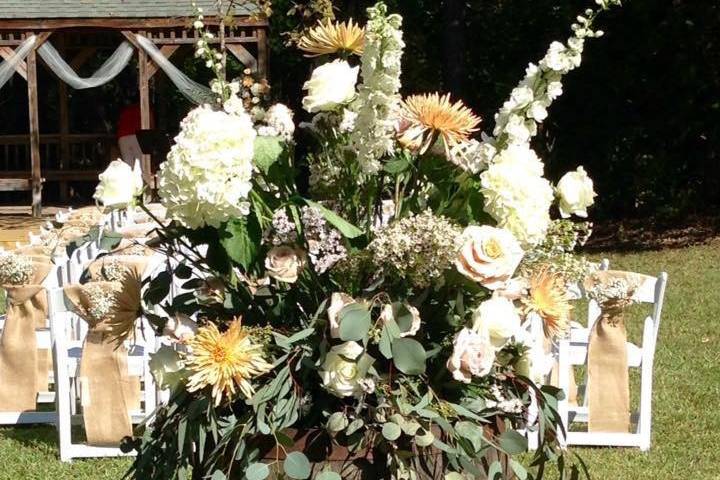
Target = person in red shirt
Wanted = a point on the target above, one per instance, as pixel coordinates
(128, 126)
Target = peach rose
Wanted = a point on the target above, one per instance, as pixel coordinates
(488, 255)
(285, 263)
(473, 356)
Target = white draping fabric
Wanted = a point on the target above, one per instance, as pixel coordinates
(7, 67)
(106, 73)
(193, 91)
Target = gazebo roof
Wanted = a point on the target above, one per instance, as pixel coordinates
(59, 9)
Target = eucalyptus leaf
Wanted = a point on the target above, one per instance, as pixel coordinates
(267, 151)
(513, 442)
(471, 432)
(495, 471)
(391, 431)
(409, 356)
(257, 471)
(424, 438)
(218, 475)
(520, 472)
(337, 422)
(297, 466)
(355, 322)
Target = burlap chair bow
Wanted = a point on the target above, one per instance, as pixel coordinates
(608, 386)
(24, 370)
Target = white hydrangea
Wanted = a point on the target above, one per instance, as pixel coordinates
(207, 176)
(516, 194)
(278, 122)
(376, 122)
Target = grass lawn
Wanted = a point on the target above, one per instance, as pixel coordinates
(687, 388)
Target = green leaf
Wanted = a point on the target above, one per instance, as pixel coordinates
(354, 321)
(328, 476)
(297, 466)
(454, 476)
(424, 438)
(519, 470)
(346, 228)
(110, 240)
(403, 316)
(257, 471)
(471, 432)
(512, 442)
(495, 471)
(391, 431)
(267, 151)
(241, 240)
(337, 422)
(397, 165)
(218, 475)
(354, 426)
(409, 356)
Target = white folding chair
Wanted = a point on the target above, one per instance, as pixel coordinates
(55, 278)
(67, 354)
(573, 351)
(535, 328)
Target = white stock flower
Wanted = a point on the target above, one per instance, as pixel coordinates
(576, 193)
(488, 255)
(119, 184)
(330, 85)
(377, 119)
(498, 318)
(207, 176)
(345, 369)
(516, 194)
(473, 356)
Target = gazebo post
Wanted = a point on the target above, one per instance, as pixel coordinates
(36, 174)
(144, 80)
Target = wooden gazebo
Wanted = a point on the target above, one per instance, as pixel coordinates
(167, 23)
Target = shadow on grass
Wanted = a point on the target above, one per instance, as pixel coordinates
(32, 436)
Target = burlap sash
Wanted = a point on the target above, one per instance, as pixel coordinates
(86, 217)
(24, 371)
(140, 230)
(608, 386)
(136, 265)
(107, 393)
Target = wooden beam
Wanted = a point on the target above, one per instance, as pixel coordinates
(144, 81)
(167, 51)
(242, 54)
(263, 53)
(36, 174)
(116, 23)
(130, 37)
(21, 68)
(15, 184)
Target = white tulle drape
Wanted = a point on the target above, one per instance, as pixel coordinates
(7, 67)
(192, 90)
(106, 73)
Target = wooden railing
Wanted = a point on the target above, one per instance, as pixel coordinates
(63, 159)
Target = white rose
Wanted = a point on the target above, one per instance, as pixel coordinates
(498, 318)
(338, 301)
(488, 255)
(408, 320)
(330, 85)
(285, 263)
(344, 371)
(576, 193)
(119, 184)
(473, 356)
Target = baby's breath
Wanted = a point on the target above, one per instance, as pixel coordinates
(15, 269)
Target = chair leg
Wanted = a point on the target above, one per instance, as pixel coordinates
(646, 384)
(564, 384)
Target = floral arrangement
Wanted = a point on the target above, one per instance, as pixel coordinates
(15, 269)
(399, 310)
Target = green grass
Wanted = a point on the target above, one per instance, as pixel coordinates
(687, 388)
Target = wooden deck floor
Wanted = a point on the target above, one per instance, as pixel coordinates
(17, 222)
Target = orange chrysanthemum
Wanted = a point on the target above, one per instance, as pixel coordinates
(227, 362)
(549, 299)
(424, 118)
(329, 38)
